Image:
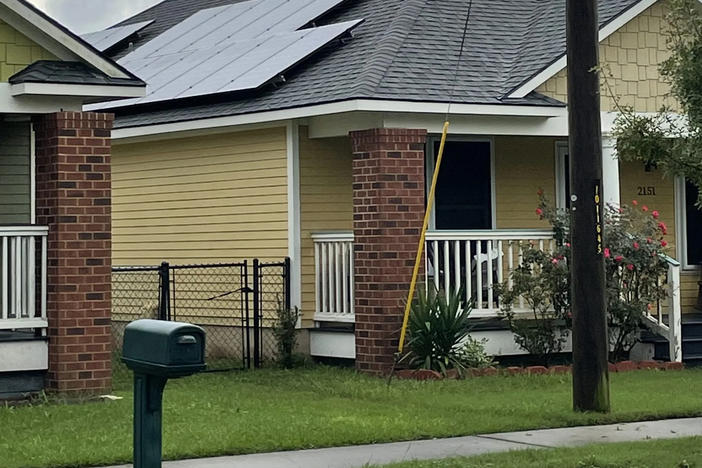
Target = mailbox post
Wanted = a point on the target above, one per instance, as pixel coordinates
(157, 351)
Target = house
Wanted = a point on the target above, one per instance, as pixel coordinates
(309, 129)
(54, 204)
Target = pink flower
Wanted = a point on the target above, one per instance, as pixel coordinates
(630, 267)
(636, 246)
(644, 208)
(663, 228)
(655, 214)
(618, 258)
(554, 261)
(540, 192)
(539, 212)
(567, 244)
(607, 253)
(664, 243)
(649, 240)
(634, 202)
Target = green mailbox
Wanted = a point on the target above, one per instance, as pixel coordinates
(157, 351)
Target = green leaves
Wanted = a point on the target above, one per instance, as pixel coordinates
(438, 325)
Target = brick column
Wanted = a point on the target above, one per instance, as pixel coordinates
(388, 198)
(73, 198)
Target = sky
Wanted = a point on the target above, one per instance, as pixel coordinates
(83, 16)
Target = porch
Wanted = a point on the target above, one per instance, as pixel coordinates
(23, 307)
(473, 262)
(362, 207)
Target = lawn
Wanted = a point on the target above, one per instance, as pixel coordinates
(268, 410)
(678, 453)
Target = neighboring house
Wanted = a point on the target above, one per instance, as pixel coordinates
(54, 204)
(308, 129)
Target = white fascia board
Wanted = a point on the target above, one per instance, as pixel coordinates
(47, 34)
(78, 90)
(606, 31)
(10, 104)
(356, 105)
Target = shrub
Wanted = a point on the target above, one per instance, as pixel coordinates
(437, 328)
(634, 244)
(473, 354)
(541, 281)
(285, 333)
(634, 271)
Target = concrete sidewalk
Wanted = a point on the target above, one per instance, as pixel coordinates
(362, 455)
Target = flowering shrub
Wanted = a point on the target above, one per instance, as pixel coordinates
(634, 268)
(542, 283)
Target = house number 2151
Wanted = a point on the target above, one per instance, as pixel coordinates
(650, 190)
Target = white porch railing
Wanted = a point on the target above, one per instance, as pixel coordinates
(23, 266)
(669, 325)
(334, 277)
(476, 261)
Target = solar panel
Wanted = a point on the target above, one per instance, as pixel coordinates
(103, 40)
(231, 48)
(232, 67)
(236, 22)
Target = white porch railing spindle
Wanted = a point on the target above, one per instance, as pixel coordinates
(18, 278)
(490, 268)
(469, 279)
(4, 279)
(479, 275)
(334, 277)
(447, 268)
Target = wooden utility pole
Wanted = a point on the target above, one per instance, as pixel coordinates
(590, 343)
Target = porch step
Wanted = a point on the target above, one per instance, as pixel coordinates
(691, 341)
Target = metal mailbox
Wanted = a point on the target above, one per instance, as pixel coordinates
(166, 349)
(157, 351)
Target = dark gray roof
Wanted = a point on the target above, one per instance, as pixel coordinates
(405, 50)
(49, 71)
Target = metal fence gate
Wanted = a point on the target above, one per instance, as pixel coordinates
(236, 303)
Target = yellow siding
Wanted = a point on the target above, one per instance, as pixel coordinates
(17, 51)
(523, 165)
(326, 200)
(634, 175)
(203, 199)
(632, 55)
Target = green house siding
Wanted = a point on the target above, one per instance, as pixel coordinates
(15, 184)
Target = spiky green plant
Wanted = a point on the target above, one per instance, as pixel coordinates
(439, 324)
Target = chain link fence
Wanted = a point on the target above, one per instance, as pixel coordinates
(236, 304)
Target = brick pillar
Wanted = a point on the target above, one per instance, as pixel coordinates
(73, 198)
(388, 199)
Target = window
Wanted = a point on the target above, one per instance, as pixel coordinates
(692, 241)
(464, 197)
(562, 175)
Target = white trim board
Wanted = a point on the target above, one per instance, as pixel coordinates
(562, 62)
(354, 105)
(294, 226)
(10, 104)
(54, 38)
(81, 90)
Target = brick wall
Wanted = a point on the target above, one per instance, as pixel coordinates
(388, 199)
(73, 199)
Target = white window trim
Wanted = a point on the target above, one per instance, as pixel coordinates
(32, 174)
(681, 226)
(430, 163)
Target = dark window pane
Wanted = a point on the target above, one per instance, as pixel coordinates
(694, 226)
(463, 192)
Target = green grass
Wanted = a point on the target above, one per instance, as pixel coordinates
(678, 453)
(268, 410)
